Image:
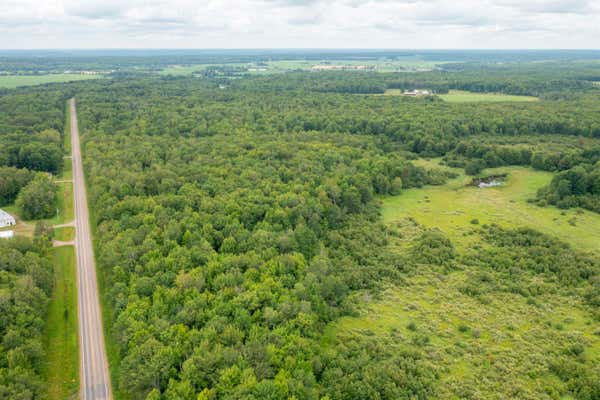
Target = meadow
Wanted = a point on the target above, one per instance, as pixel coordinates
(500, 344)
(453, 206)
(461, 96)
(13, 81)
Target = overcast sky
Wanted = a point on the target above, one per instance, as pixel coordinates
(402, 24)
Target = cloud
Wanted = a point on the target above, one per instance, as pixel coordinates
(300, 23)
(95, 9)
(550, 6)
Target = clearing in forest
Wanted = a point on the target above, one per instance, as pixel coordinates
(453, 206)
(13, 81)
(462, 96)
(475, 326)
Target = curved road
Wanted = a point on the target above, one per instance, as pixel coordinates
(93, 365)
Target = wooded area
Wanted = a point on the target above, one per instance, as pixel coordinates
(236, 222)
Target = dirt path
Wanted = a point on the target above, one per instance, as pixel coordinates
(93, 370)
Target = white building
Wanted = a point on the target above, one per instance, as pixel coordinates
(417, 92)
(6, 219)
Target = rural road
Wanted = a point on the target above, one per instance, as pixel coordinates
(93, 365)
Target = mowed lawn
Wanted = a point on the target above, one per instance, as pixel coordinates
(451, 208)
(461, 96)
(62, 366)
(13, 81)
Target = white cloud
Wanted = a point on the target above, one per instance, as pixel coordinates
(300, 23)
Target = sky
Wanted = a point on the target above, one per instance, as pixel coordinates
(391, 24)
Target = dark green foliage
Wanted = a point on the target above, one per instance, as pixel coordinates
(576, 187)
(30, 123)
(233, 226)
(11, 181)
(365, 368)
(25, 285)
(37, 200)
(520, 251)
(227, 254)
(432, 247)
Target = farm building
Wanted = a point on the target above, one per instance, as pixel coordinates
(415, 93)
(6, 219)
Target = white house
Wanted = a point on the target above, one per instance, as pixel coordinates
(6, 219)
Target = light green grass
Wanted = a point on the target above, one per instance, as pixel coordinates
(508, 343)
(67, 209)
(461, 96)
(65, 234)
(13, 81)
(61, 369)
(451, 207)
(506, 348)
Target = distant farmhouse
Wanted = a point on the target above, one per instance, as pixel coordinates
(416, 93)
(6, 219)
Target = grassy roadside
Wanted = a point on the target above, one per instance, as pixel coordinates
(65, 234)
(61, 370)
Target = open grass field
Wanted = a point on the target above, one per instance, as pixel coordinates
(460, 96)
(61, 330)
(500, 349)
(13, 81)
(500, 345)
(451, 207)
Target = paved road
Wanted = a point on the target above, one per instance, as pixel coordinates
(93, 365)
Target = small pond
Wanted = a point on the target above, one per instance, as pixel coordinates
(489, 181)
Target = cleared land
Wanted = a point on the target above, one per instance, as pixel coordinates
(13, 81)
(498, 344)
(62, 367)
(461, 96)
(451, 207)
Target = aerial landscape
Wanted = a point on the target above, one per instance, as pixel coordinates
(281, 199)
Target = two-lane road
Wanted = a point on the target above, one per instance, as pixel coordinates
(93, 365)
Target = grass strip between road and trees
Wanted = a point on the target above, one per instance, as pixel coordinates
(62, 362)
(61, 369)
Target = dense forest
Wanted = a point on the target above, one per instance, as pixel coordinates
(238, 222)
(25, 286)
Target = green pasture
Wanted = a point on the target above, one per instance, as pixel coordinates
(13, 81)
(461, 96)
(453, 206)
